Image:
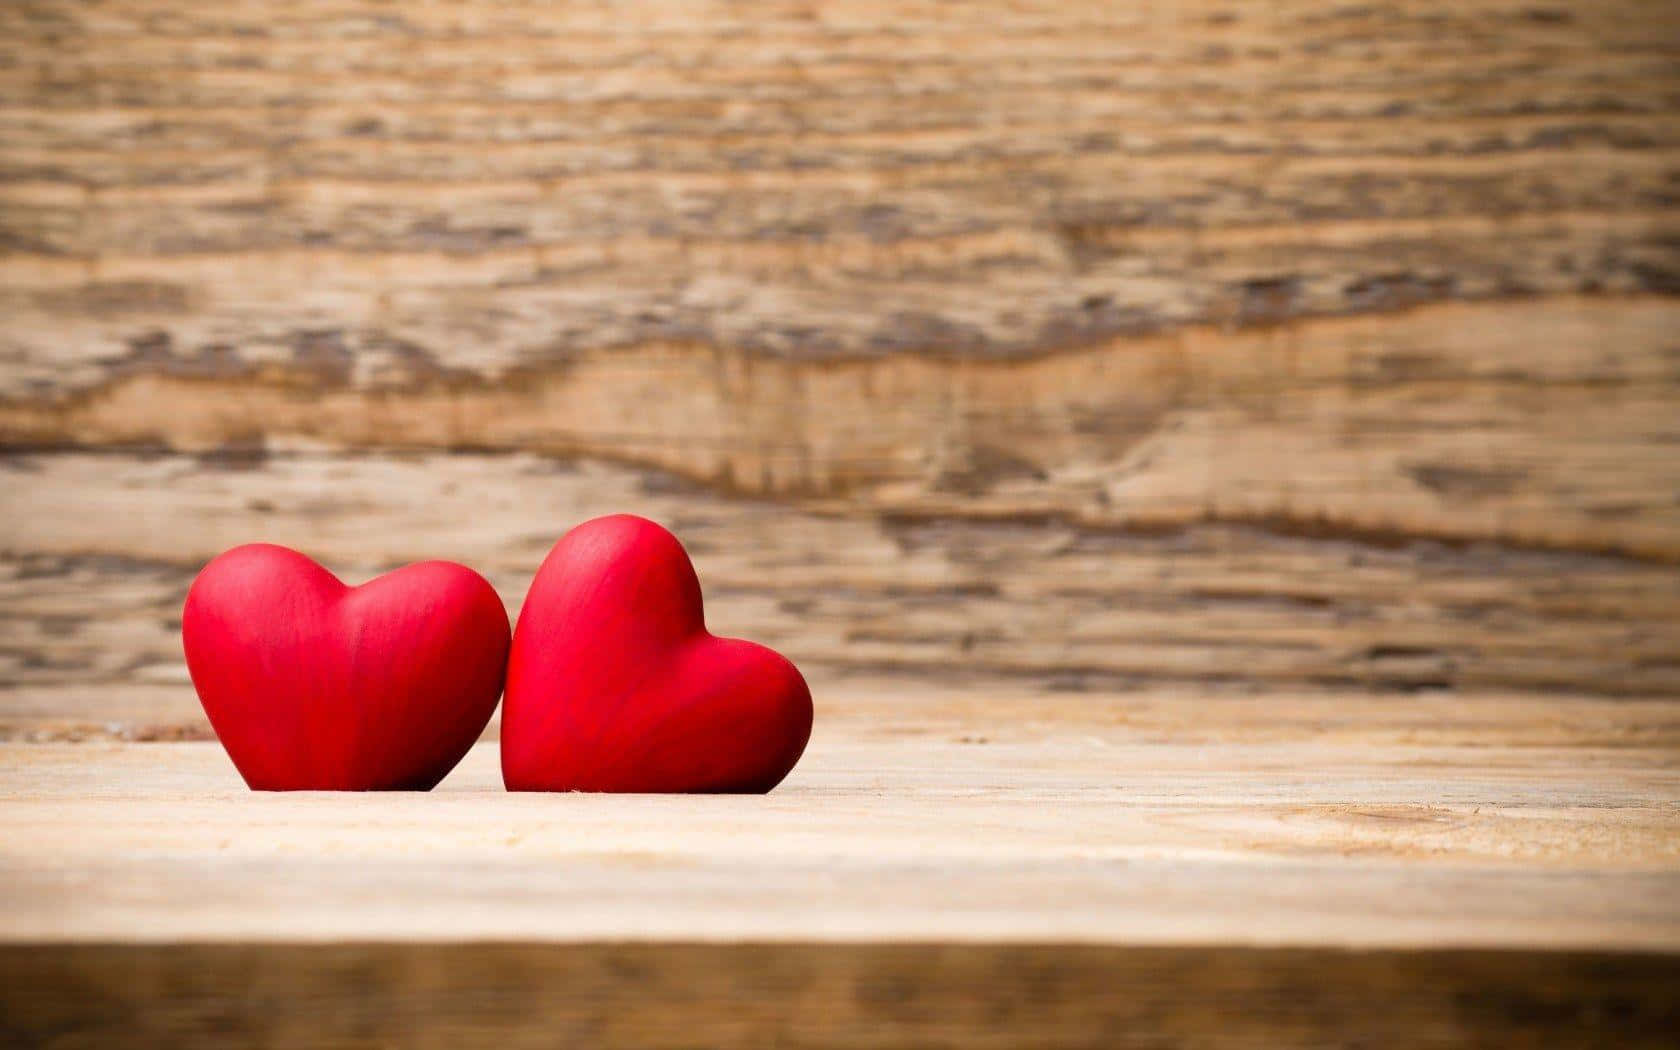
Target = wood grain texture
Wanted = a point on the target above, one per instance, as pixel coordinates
(1218, 341)
(484, 187)
(1215, 461)
(1180, 820)
(1551, 424)
(1379, 268)
(827, 996)
(94, 570)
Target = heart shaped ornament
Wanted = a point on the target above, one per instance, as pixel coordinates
(312, 685)
(614, 684)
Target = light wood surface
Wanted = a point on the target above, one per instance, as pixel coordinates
(1214, 460)
(948, 867)
(1173, 820)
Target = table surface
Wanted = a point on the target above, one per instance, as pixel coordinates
(1155, 818)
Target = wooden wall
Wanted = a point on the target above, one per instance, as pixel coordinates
(1090, 346)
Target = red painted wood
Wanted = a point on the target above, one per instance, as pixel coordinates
(312, 685)
(614, 684)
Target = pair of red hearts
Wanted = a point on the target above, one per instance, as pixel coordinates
(613, 683)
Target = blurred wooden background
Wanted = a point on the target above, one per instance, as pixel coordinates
(1218, 463)
(1089, 347)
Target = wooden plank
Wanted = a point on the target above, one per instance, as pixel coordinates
(1186, 820)
(1359, 270)
(618, 995)
(1213, 462)
(1537, 424)
(93, 571)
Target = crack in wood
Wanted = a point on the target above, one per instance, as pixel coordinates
(1489, 423)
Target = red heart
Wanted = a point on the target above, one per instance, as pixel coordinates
(312, 685)
(615, 685)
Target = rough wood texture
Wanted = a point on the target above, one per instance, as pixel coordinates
(827, 996)
(1549, 424)
(1178, 820)
(93, 572)
(1233, 341)
(479, 187)
(1215, 460)
(1372, 268)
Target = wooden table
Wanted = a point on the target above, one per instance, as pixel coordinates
(944, 868)
(1217, 461)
